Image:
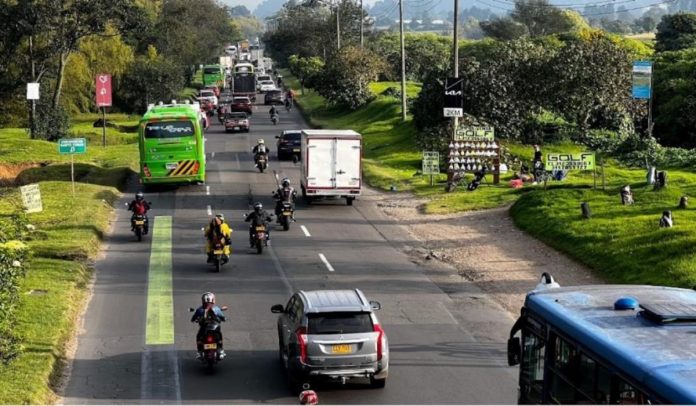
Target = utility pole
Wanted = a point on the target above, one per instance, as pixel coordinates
(403, 61)
(338, 24)
(362, 20)
(455, 55)
(32, 119)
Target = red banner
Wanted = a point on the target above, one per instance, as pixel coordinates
(103, 89)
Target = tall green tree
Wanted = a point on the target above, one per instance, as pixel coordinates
(347, 76)
(305, 69)
(675, 32)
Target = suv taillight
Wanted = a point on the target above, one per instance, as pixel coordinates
(380, 338)
(301, 334)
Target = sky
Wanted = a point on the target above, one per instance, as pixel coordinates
(251, 4)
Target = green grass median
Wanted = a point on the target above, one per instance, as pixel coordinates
(68, 235)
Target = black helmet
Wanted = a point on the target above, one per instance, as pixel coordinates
(286, 182)
(139, 196)
(258, 207)
(208, 297)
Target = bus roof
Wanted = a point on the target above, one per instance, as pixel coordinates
(172, 110)
(660, 356)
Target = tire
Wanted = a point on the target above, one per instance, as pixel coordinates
(139, 233)
(349, 201)
(294, 384)
(259, 246)
(261, 168)
(378, 383)
(210, 365)
(286, 223)
(217, 264)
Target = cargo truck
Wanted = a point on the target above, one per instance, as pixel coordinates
(331, 164)
(244, 81)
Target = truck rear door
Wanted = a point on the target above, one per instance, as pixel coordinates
(348, 155)
(320, 163)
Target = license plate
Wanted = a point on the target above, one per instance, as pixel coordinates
(139, 222)
(172, 166)
(295, 150)
(341, 349)
(209, 346)
(287, 213)
(217, 252)
(236, 128)
(260, 228)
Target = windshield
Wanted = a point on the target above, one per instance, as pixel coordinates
(265, 77)
(339, 323)
(292, 136)
(241, 100)
(169, 129)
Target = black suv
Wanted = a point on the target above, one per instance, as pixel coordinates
(274, 97)
(289, 144)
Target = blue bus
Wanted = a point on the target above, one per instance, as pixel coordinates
(605, 344)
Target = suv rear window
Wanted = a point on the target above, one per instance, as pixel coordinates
(241, 100)
(236, 116)
(292, 136)
(339, 323)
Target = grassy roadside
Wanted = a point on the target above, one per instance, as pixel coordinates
(67, 237)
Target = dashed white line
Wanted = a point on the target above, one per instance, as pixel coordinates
(305, 231)
(326, 262)
(210, 210)
(207, 190)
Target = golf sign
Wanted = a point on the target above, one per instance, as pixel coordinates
(584, 161)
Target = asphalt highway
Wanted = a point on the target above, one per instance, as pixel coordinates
(137, 344)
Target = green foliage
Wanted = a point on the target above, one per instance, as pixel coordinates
(504, 29)
(149, 81)
(675, 97)
(347, 75)
(424, 52)
(306, 70)
(249, 27)
(676, 32)
(534, 18)
(51, 123)
(13, 257)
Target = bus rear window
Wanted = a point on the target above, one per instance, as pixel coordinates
(211, 71)
(169, 129)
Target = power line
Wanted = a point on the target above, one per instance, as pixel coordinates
(582, 14)
(567, 5)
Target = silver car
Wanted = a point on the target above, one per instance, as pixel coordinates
(331, 334)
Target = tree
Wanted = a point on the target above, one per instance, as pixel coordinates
(675, 97)
(347, 76)
(240, 11)
(675, 32)
(646, 24)
(503, 29)
(305, 69)
(249, 27)
(541, 18)
(301, 30)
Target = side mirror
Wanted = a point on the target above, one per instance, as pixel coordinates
(191, 309)
(514, 351)
(375, 305)
(277, 137)
(277, 309)
(223, 308)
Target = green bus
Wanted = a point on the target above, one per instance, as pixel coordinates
(172, 148)
(213, 75)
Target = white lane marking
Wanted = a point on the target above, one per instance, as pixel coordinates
(326, 262)
(236, 157)
(305, 231)
(207, 191)
(210, 210)
(212, 154)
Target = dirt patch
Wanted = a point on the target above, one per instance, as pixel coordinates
(487, 249)
(9, 173)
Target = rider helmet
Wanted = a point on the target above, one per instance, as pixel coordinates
(258, 207)
(286, 182)
(261, 141)
(220, 216)
(208, 297)
(139, 196)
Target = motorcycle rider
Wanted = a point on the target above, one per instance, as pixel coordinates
(258, 217)
(273, 112)
(218, 231)
(259, 149)
(207, 310)
(139, 207)
(285, 193)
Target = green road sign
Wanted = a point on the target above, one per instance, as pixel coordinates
(72, 145)
(431, 163)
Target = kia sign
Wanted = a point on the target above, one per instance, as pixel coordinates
(454, 93)
(103, 89)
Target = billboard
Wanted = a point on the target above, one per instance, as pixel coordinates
(642, 79)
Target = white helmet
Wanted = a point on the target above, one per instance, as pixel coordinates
(261, 141)
(208, 297)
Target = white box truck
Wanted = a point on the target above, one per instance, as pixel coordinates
(331, 164)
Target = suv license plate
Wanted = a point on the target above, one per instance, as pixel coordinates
(341, 349)
(209, 346)
(295, 150)
(236, 128)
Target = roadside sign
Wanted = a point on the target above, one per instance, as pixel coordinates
(431, 162)
(32, 91)
(454, 93)
(453, 112)
(31, 198)
(72, 145)
(474, 133)
(584, 161)
(642, 79)
(103, 89)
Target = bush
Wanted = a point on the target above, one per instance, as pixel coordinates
(391, 92)
(13, 256)
(51, 123)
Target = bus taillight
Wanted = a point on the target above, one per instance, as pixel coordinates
(146, 171)
(196, 167)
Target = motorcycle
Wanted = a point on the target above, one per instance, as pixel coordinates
(287, 214)
(274, 118)
(212, 340)
(219, 258)
(260, 238)
(139, 223)
(261, 162)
